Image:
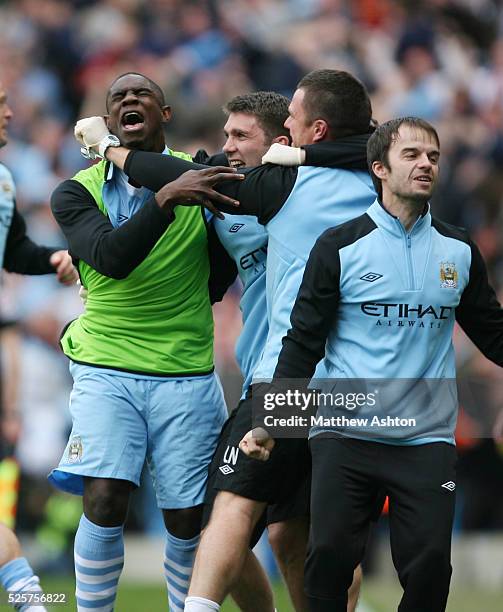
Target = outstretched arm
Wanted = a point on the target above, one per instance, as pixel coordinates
(262, 194)
(151, 170)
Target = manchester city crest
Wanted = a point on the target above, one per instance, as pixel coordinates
(6, 187)
(448, 275)
(75, 450)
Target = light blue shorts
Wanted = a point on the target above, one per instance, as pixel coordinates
(121, 419)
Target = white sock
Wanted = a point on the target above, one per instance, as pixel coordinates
(200, 604)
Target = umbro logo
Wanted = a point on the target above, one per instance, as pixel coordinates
(370, 277)
(236, 227)
(123, 218)
(450, 486)
(226, 469)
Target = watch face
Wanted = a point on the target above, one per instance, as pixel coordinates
(108, 141)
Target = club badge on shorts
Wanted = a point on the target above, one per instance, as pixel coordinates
(75, 450)
(448, 275)
(7, 188)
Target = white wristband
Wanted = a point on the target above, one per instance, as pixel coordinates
(283, 155)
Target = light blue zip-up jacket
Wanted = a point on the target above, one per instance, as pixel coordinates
(380, 305)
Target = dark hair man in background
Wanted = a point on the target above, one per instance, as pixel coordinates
(379, 300)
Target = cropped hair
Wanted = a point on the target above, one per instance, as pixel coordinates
(338, 98)
(159, 94)
(379, 143)
(270, 109)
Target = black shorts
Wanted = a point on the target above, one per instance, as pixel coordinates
(283, 482)
(297, 503)
(294, 504)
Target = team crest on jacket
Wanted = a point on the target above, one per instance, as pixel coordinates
(448, 275)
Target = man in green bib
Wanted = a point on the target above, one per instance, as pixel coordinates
(142, 353)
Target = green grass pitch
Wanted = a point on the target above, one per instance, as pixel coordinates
(378, 596)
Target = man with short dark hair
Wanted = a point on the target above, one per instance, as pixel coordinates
(254, 122)
(294, 214)
(269, 110)
(335, 99)
(295, 205)
(142, 353)
(378, 301)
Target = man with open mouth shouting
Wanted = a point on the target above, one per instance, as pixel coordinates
(142, 353)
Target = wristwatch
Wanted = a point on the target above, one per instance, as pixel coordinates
(108, 141)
